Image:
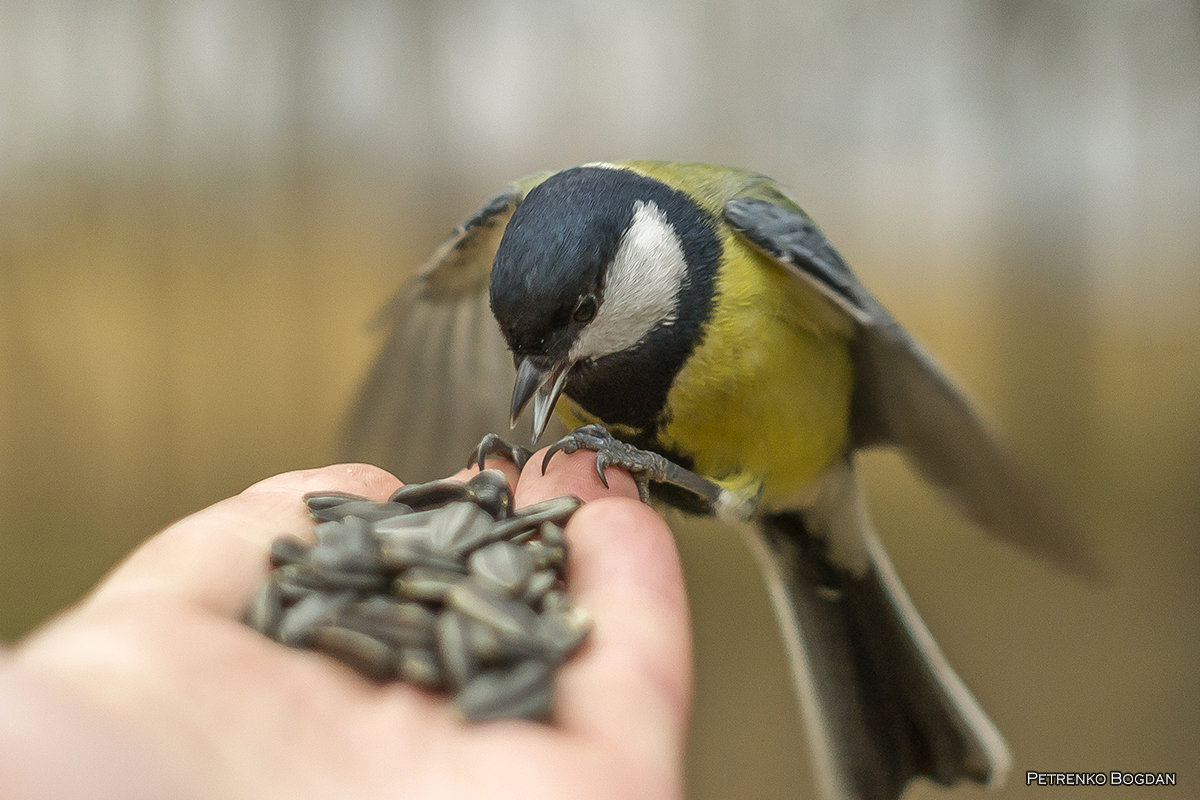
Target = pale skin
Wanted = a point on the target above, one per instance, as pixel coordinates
(151, 687)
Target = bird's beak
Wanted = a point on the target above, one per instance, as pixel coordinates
(544, 386)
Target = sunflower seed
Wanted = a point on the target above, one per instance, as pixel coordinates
(367, 510)
(417, 524)
(547, 556)
(504, 566)
(510, 618)
(561, 632)
(556, 510)
(421, 496)
(319, 501)
(458, 528)
(351, 533)
(551, 535)
(492, 648)
(266, 609)
(555, 600)
(459, 661)
(296, 580)
(392, 612)
(368, 655)
(312, 611)
(398, 623)
(399, 556)
(539, 585)
(288, 550)
(420, 666)
(426, 583)
(440, 586)
(523, 691)
(520, 537)
(489, 490)
(345, 545)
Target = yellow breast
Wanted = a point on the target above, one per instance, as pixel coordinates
(765, 398)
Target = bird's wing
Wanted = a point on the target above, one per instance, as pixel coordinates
(442, 377)
(903, 398)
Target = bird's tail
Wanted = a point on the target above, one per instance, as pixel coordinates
(881, 704)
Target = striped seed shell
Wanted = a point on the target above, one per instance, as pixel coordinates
(319, 501)
(367, 510)
(298, 622)
(266, 609)
(288, 550)
(556, 510)
(368, 655)
(346, 544)
(551, 534)
(422, 496)
(510, 618)
(562, 632)
(400, 624)
(489, 490)
(427, 584)
(522, 691)
(459, 528)
(503, 566)
(538, 587)
(419, 666)
(459, 661)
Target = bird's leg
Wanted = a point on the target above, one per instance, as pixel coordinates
(493, 445)
(646, 467)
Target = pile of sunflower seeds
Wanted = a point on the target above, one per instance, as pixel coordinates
(444, 586)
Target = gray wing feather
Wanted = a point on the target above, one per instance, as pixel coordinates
(903, 398)
(441, 379)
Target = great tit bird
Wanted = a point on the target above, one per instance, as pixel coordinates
(702, 318)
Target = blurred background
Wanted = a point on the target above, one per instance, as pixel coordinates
(202, 202)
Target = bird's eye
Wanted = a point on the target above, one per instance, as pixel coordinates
(585, 309)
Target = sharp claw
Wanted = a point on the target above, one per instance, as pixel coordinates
(493, 445)
(600, 472)
(549, 455)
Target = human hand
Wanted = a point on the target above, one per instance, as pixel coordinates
(152, 687)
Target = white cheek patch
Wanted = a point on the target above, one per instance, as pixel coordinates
(641, 289)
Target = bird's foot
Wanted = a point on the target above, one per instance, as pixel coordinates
(610, 451)
(493, 445)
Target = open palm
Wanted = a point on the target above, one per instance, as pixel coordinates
(152, 687)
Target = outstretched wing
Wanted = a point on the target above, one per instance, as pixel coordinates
(443, 376)
(903, 398)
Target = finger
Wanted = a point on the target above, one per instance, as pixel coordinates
(570, 473)
(631, 684)
(530, 486)
(218, 556)
(503, 464)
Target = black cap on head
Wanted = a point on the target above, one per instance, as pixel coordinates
(554, 251)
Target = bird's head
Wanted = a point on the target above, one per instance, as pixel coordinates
(593, 264)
